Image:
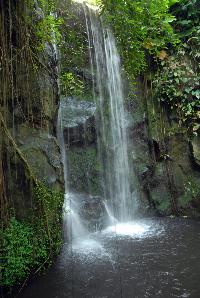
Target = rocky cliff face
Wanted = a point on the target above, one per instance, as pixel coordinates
(165, 158)
(28, 107)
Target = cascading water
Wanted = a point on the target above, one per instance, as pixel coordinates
(61, 143)
(111, 120)
(111, 131)
(73, 226)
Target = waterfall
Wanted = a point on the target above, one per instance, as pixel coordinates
(61, 142)
(73, 226)
(111, 133)
(111, 117)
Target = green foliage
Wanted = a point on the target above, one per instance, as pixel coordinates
(178, 80)
(50, 199)
(74, 45)
(187, 14)
(51, 203)
(94, 2)
(47, 30)
(164, 206)
(192, 190)
(44, 28)
(29, 245)
(187, 25)
(71, 84)
(47, 6)
(178, 85)
(17, 252)
(140, 26)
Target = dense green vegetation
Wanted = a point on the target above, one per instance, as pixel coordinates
(177, 84)
(159, 43)
(46, 27)
(29, 245)
(169, 32)
(141, 26)
(178, 80)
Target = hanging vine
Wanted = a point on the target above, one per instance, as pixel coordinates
(27, 30)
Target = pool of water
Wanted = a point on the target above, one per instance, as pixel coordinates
(147, 258)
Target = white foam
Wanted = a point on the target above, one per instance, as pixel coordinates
(128, 229)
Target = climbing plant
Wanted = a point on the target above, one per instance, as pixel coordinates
(178, 80)
(178, 85)
(187, 26)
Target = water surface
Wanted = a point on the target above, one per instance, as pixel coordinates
(150, 258)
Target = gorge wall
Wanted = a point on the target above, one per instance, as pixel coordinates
(31, 175)
(29, 97)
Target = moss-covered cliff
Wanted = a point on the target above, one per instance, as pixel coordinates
(31, 175)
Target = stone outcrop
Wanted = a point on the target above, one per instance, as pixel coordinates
(164, 159)
(29, 109)
(93, 212)
(195, 151)
(78, 121)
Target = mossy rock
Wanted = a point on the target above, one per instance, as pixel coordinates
(84, 170)
(195, 148)
(43, 155)
(162, 200)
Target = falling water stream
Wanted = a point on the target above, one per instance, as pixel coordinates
(111, 119)
(112, 137)
(129, 258)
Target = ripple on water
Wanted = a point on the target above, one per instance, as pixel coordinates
(152, 258)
